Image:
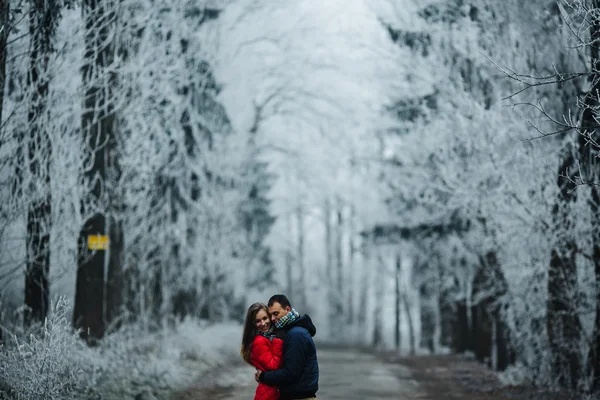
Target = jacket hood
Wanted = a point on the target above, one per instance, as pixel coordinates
(306, 323)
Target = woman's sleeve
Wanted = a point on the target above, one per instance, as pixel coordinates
(263, 355)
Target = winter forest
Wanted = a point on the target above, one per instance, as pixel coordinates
(417, 175)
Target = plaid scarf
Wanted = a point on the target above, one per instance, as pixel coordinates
(287, 320)
(268, 334)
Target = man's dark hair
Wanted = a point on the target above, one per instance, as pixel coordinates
(281, 299)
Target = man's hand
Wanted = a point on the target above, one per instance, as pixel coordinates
(257, 375)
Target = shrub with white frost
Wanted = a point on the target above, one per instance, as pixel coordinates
(48, 361)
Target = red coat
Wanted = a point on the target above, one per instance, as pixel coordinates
(266, 355)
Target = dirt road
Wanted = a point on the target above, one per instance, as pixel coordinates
(344, 374)
(353, 375)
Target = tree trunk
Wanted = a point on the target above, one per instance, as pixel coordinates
(339, 260)
(411, 328)
(364, 284)
(329, 270)
(377, 328)
(448, 316)
(482, 331)
(461, 333)
(131, 292)
(428, 318)
(351, 273)
(4, 28)
(98, 128)
(437, 305)
(489, 285)
(503, 352)
(481, 324)
(88, 312)
(594, 353)
(41, 30)
(115, 287)
(114, 278)
(397, 332)
(19, 163)
(289, 259)
(428, 301)
(563, 325)
(156, 298)
(328, 242)
(38, 261)
(437, 333)
(494, 349)
(300, 255)
(589, 158)
(377, 317)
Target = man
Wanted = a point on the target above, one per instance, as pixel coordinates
(299, 376)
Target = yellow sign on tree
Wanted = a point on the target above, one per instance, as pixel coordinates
(98, 242)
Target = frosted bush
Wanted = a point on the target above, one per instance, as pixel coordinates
(165, 361)
(49, 361)
(514, 375)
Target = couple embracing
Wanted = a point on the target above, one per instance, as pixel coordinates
(278, 342)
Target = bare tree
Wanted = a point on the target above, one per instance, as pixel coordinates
(589, 168)
(564, 328)
(398, 300)
(4, 28)
(367, 250)
(328, 241)
(579, 165)
(43, 20)
(351, 276)
(116, 234)
(339, 259)
(289, 258)
(98, 127)
(377, 341)
(300, 249)
(411, 327)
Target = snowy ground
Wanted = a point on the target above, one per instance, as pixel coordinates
(133, 363)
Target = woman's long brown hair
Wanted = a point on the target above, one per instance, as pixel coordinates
(250, 329)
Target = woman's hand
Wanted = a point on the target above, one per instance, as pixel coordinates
(257, 375)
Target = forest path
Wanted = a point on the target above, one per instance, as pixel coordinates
(352, 374)
(344, 374)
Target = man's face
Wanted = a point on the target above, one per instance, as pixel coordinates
(278, 312)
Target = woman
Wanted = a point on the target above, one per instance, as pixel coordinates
(260, 348)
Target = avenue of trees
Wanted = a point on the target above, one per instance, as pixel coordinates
(415, 175)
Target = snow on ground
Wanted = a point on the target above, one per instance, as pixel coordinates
(132, 363)
(188, 355)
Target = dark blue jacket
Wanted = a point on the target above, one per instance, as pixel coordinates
(299, 375)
